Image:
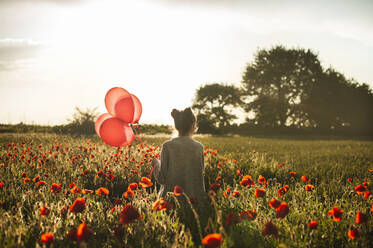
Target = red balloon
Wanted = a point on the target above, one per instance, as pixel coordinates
(113, 96)
(125, 109)
(115, 132)
(138, 109)
(99, 122)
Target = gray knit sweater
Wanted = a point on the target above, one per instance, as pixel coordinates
(182, 164)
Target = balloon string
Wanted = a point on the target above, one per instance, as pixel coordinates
(134, 129)
(141, 134)
(137, 134)
(139, 137)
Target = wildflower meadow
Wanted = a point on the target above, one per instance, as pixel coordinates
(60, 191)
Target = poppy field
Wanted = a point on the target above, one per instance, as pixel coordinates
(60, 191)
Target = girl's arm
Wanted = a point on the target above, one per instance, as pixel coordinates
(160, 167)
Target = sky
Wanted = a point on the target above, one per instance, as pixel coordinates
(56, 55)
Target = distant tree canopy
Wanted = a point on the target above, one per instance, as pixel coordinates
(277, 82)
(335, 102)
(214, 103)
(288, 88)
(81, 123)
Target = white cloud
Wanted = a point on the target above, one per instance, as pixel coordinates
(15, 53)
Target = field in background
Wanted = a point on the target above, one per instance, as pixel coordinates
(335, 168)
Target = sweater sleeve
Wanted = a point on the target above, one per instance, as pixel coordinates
(160, 168)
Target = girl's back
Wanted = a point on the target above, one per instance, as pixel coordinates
(184, 162)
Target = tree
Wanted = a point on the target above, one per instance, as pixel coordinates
(213, 103)
(82, 122)
(275, 84)
(336, 102)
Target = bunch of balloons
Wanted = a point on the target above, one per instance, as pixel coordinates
(124, 109)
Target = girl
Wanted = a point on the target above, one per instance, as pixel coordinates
(182, 160)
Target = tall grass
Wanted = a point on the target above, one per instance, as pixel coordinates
(65, 160)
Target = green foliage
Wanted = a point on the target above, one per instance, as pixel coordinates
(277, 81)
(288, 87)
(81, 123)
(213, 103)
(328, 163)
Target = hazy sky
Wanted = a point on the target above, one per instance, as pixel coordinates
(58, 54)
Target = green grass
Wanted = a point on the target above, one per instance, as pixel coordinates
(327, 162)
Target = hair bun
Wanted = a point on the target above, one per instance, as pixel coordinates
(174, 113)
(188, 110)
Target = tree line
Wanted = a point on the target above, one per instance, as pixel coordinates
(286, 90)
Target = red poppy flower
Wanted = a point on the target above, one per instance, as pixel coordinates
(40, 183)
(309, 187)
(274, 203)
(305, 179)
(178, 190)
(100, 173)
(360, 189)
(371, 209)
(47, 238)
(83, 232)
(231, 219)
(248, 215)
(212, 240)
(45, 210)
(129, 193)
(238, 172)
(133, 186)
(111, 177)
(218, 178)
(349, 179)
(365, 183)
(367, 194)
(261, 179)
(292, 173)
(145, 182)
(78, 206)
(283, 190)
(75, 190)
(353, 233)
(214, 187)
(236, 194)
(313, 224)
(36, 179)
(26, 180)
(360, 217)
(282, 210)
(87, 191)
(102, 191)
(129, 214)
(247, 181)
(227, 192)
(260, 192)
(281, 164)
(162, 204)
(336, 214)
(71, 185)
(56, 188)
(270, 229)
